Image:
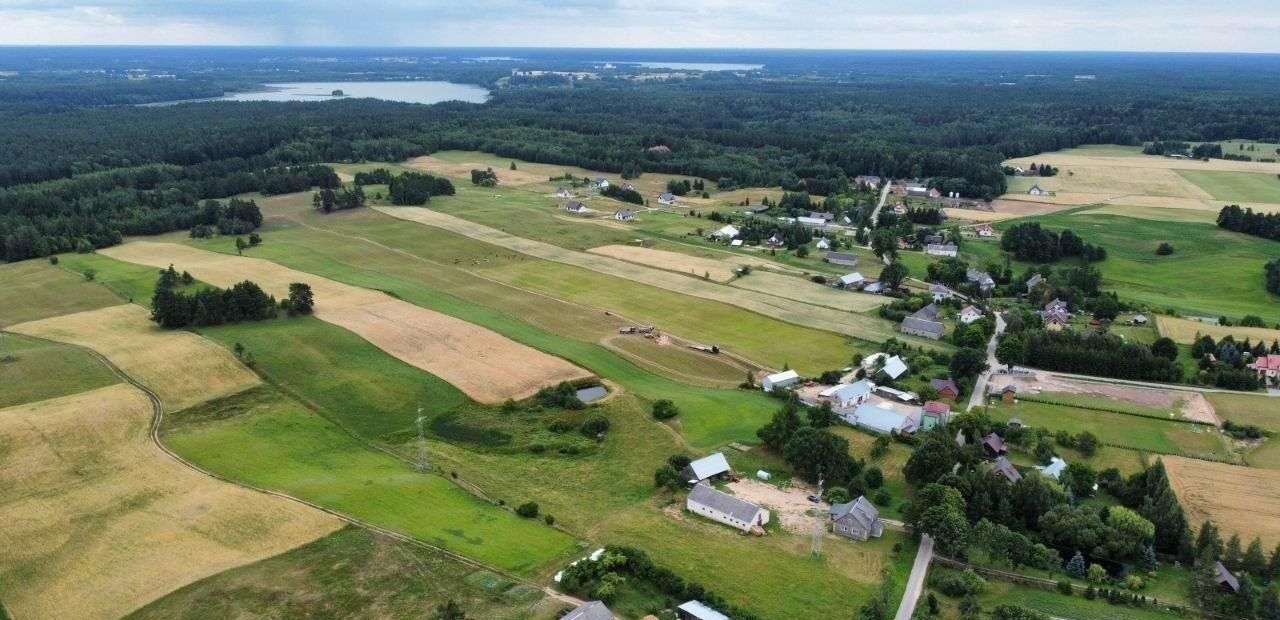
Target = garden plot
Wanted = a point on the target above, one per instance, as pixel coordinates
(485, 365)
(99, 522)
(181, 367)
(1240, 500)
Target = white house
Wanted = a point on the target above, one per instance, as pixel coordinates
(1036, 190)
(666, 198)
(1054, 469)
(851, 280)
(846, 395)
(697, 610)
(941, 249)
(729, 231)
(706, 467)
(624, 215)
(719, 506)
(563, 192)
(941, 292)
(574, 206)
(600, 183)
(779, 380)
(823, 244)
(816, 222)
(970, 314)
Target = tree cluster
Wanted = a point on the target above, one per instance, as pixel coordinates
(416, 188)
(1090, 353)
(174, 309)
(1028, 242)
(1249, 222)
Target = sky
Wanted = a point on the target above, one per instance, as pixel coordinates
(1110, 25)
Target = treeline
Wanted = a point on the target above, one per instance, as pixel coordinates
(1028, 242)
(1091, 353)
(93, 211)
(174, 309)
(1249, 222)
(618, 192)
(327, 200)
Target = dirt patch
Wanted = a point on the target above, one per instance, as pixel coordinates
(1191, 405)
(181, 367)
(99, 522)
(790, 506)
(1240, 500)
(1005, 208)
(671, 261)
(487, 366)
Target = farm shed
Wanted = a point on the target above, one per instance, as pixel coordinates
(779, 380)
(842, 258)
(724, 508)
(706, 467)
(697, 610)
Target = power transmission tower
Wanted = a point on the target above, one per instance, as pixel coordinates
(423, 464)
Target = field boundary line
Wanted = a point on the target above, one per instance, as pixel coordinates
(157, 419)
(1178, 420)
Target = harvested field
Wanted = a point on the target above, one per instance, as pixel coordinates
(1240, 500)
(1134, 399)
(181, 367)
(678, 361)
(486, 366)
(99, 522)
(803, 290)
(1185, 330)
(780, 308)
(1065, 160)
(34, 289)
(718, 271)
(1004, 209)
(528, 174)
(41, 370)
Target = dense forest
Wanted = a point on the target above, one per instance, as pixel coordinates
(807, 122)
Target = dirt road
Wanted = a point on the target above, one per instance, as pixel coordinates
(915, 583)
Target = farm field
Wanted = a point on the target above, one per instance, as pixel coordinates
(351, 573)
(34, 290)
(678, 362)
(1243, 500)
(488, 367)
(125, 336)
(83, 488)
(775, 307)
(1236, 187)
(714, 270)
(1260, 411)
(808, 292)
(42, 370)
(270, 441)
(1121, 430)
(1185, 330)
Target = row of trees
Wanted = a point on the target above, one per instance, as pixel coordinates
(1249, 222)
(174, 308)
(1089, 353)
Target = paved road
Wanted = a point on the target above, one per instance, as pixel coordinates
(980, 386)
(915, 583)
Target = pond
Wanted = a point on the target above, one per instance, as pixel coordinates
(592, 394)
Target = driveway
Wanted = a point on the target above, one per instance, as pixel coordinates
(980, 386)
(915, 583)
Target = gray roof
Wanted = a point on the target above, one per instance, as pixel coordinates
(593, 610)
(841, 256)
(701, 611)
(666, 196)
(859, 510)
(720, 501)
(1225, 577)
(574, 205)
(1034, 280)
(928, 313)
(708, 466)
(923, 325)
(1003, 467)
(942, 384)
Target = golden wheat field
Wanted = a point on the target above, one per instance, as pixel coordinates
(715, 270)
(488, 367)
(1242, 500)
(99, 522)
(1185, 330)
(181, 367)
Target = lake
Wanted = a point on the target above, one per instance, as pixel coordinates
(405, 92)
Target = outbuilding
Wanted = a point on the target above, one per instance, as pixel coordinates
(779, 380)
(719, 506)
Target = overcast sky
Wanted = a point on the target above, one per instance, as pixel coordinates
(1156, 25)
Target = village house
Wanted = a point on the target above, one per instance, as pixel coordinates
(573, 206)
(719, 506)
(1036, 190)
(1054, 469)
(881, 420)
(779, 380)
(600, 183)
(946, 388)
(666, 198)
(935, 413)
(1003, 467)
(1033, 282)
(981, 279)
(624, 215)
(593, 610)
(874, 287)
(1225, 580)
(847, 395)
(774, 241)
(563, 192)
(815, 222)
(825, 216)
(728, 231)
(705, 468)
(629, 187)
(993, 445)
(969, 314)
(867, 180)
(851, 281)
(934, 238)
(841, 258)
(697, 610)
(858, 519)
(941, 292)
(923, 323)
(941, 249)
(823, 244)
(1266, 367)
(985, 230)
(1138, 319)
(1055, 315)
(900, 209)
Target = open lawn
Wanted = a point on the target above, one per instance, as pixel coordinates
(98, 521)
(486, 366)
(1122, 430)
(1241, 500)
(1185, 331)
(182, 368)
(1046, 601)
(710, 269)
(34, 289)
(805, 291)
(351, 573)
(1260, 411)
(40, 369)
(270, 441)
(1236, 186)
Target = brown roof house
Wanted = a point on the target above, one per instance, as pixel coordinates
(1003, 467)
(993, 445)
(857, 519)
(946, 388)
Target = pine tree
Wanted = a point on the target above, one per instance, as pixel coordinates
(1148, 559)
(1075, 566)
(1273, 565)
(1254, 562)
(1232, 556)
(1210, 542)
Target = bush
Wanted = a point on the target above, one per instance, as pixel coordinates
(957, 584)
(664, 410)
(1165, 249)
(563, 395)
(882, 497)
(1064, 587)
(527, 510)
(550, 520)
(873, 477)
(595, 426)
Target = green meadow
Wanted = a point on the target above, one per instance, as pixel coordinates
(1236, 186)
(35, 289)
(32, 370)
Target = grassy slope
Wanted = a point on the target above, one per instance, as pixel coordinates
(1236, 186)
(349, 574)
(35, 289)
(1260, 411)
(268, 440)
(44, 369)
